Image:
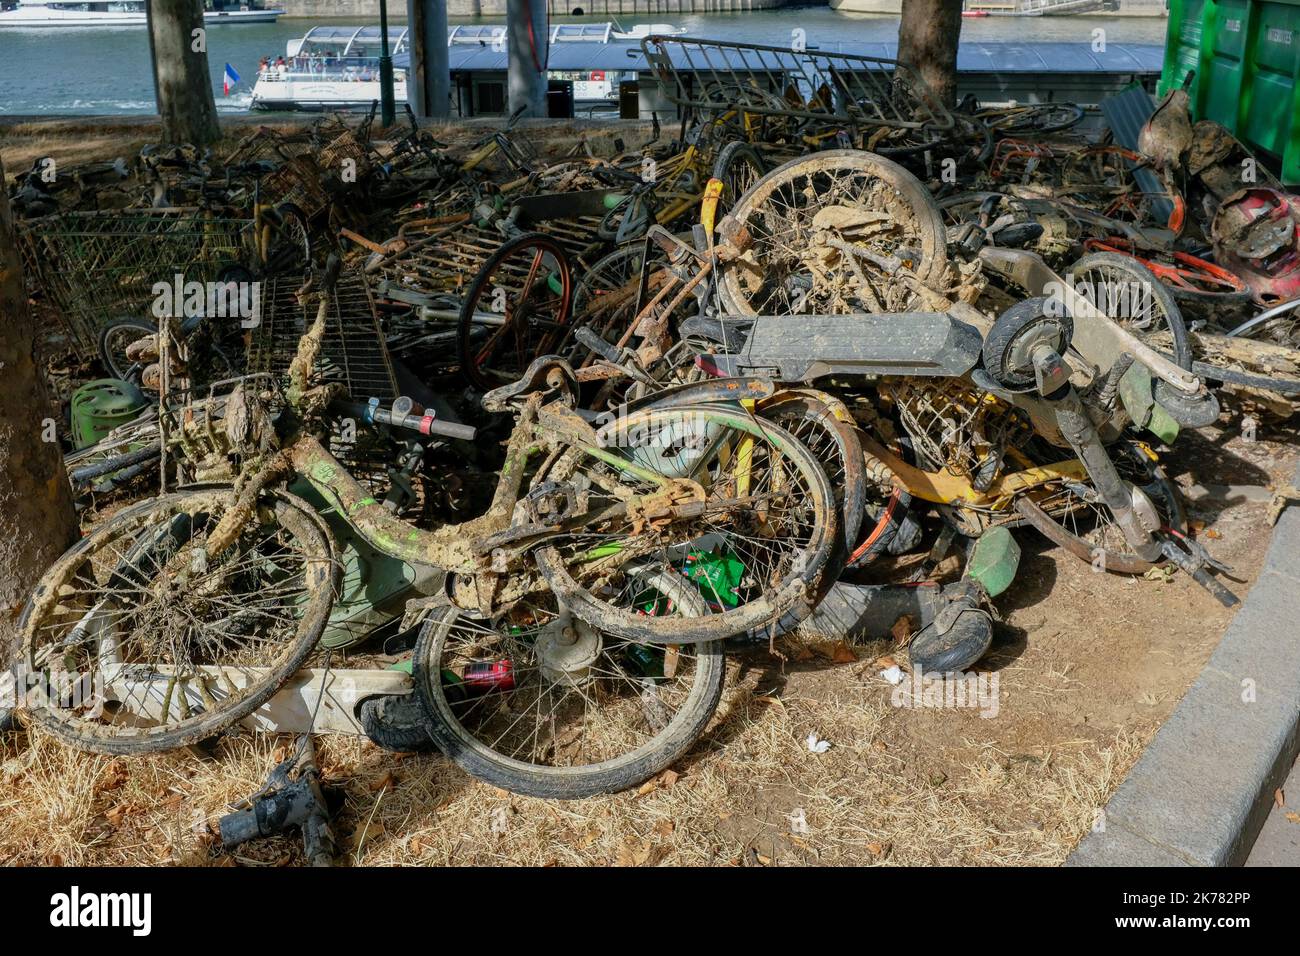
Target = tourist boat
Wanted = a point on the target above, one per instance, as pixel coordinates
(43, 14)
(337, 67)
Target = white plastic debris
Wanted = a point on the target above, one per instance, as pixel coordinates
(817, 745)
(892, 675)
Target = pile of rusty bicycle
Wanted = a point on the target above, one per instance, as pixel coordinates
(554, 432)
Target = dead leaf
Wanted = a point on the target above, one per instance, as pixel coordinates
(902, 629)
(842, 653)
(633, 853)
(1213, 534)
(114, 775)
(1279, 797)
(668, 778)
(1293, 817)
(387, 780)
(650, 786)
(665, 827)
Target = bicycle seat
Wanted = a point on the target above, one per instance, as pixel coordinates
(547, 373)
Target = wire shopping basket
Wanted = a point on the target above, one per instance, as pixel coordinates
(94, 267)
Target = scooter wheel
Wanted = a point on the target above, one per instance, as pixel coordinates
(397, 723)
(1008, 347)
(955, 649)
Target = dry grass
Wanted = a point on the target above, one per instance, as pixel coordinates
(750, 794)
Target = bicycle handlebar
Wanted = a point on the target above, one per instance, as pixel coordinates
(426, 424)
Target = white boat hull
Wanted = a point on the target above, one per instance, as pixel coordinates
(306, 94)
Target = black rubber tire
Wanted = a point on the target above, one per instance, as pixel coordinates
(119, 332)
(1007, 331)
(562, 783)
(397, 722)
(147, 739)
(724, 168)
(962, 645)
(465, 337)
(1164, 297)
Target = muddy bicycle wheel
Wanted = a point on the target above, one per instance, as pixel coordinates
(832, 438)
(746, 513)
(1072, 515)
(825, 234)
(1129, 292)
(523, 295)
(145, 637)
(549, 706)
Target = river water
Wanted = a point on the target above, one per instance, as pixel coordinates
(106, 71)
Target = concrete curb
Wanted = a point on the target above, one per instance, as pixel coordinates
(1200, 792)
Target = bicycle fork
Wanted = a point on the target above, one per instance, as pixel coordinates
(1134, 513)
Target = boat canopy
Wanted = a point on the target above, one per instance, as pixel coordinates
(348, 41)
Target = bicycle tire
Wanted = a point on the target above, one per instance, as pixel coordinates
(783, 601)
(112, 352)
(727, 168)
(474, 357)
(320, 576)
(630, 769)
(911, 207)
(1164, 300)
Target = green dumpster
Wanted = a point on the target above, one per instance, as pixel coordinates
(1245, 60)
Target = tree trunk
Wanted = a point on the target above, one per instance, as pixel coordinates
(189, 113)
(37, 522)
(528, 43)
(927, 41)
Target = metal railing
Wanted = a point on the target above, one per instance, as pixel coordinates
(810, 84)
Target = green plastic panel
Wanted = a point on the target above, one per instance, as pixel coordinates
(1246, 58)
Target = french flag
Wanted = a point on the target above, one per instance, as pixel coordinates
(230, 80)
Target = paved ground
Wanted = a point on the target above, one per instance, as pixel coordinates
(1279, 840)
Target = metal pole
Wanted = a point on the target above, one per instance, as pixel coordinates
(387, 103)
(437, 68)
